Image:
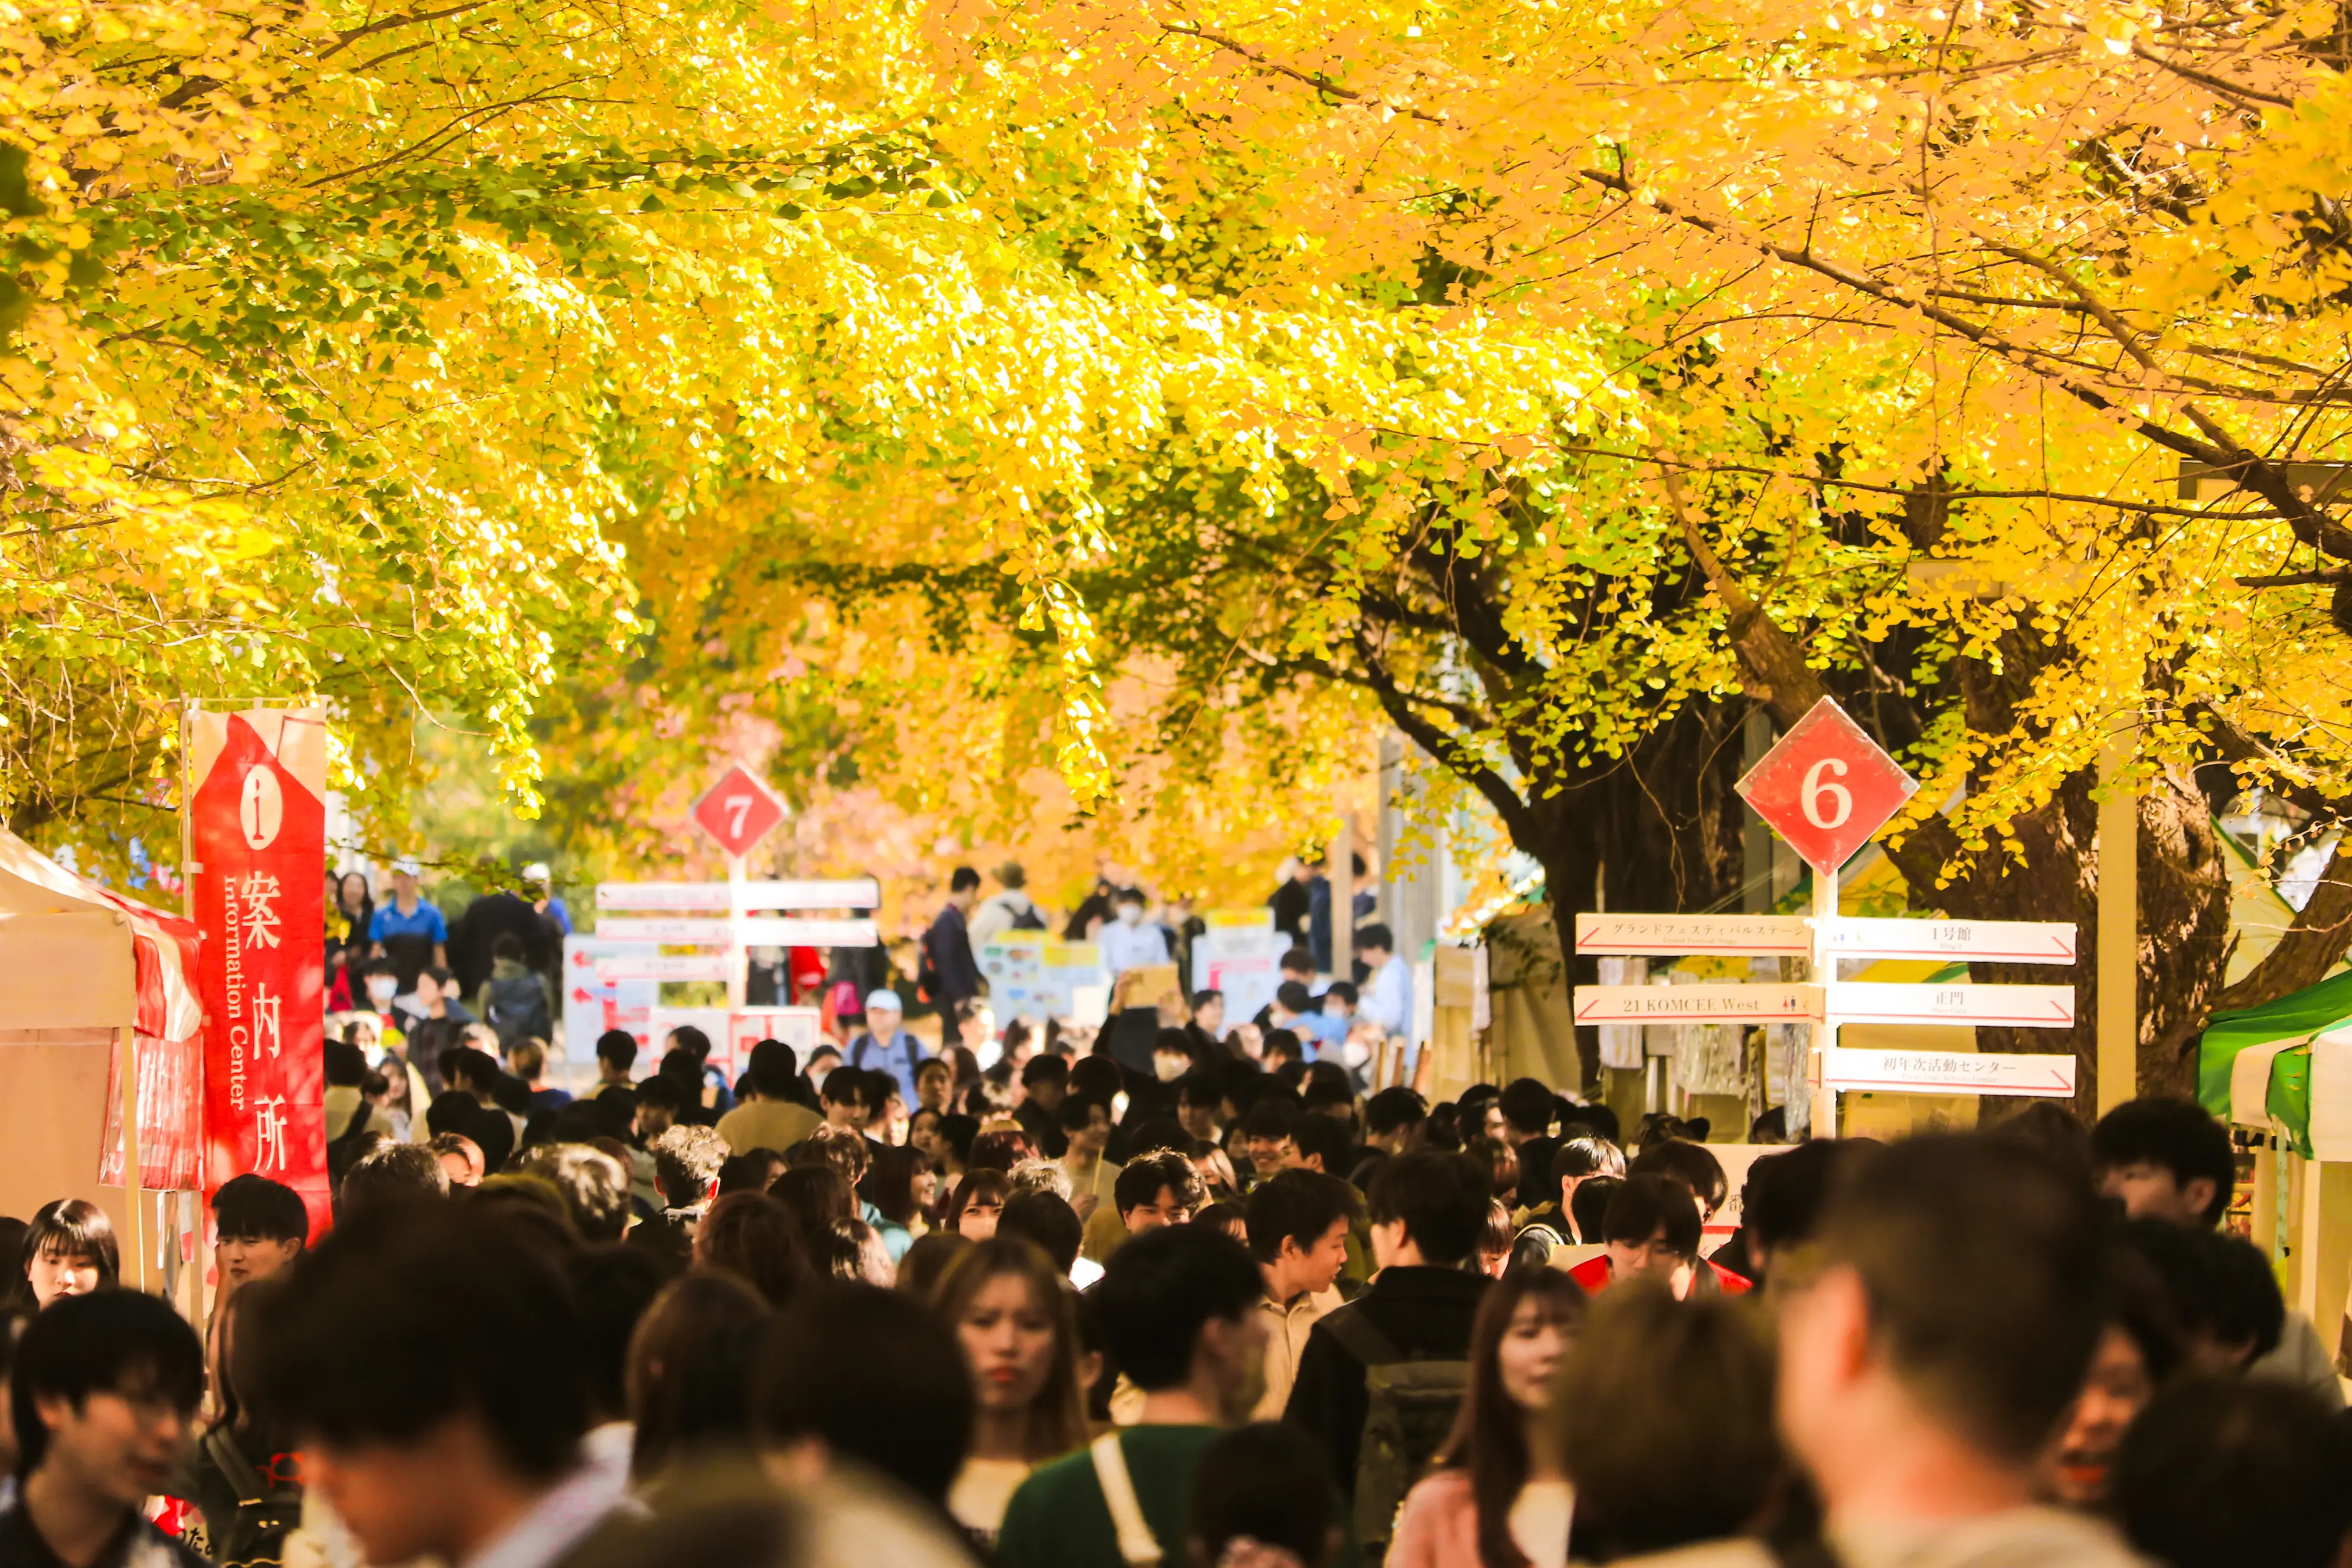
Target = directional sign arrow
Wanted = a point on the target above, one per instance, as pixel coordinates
(1948, 1072)
(663, 967)
(1694, 1004)
(1723, 936)
(854, 893)
(1990, 941)
(2016, 1006)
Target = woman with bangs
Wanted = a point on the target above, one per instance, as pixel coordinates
(1016, 1318)
(1497, 1496)
(69, 1251)
(973, 1208)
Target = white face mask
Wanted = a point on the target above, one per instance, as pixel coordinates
(380, 989)
(1129, 914)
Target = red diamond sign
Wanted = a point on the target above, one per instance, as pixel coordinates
(737, 811)
(1826, 787)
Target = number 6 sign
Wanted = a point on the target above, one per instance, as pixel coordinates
(737, 811)
(1826, 787)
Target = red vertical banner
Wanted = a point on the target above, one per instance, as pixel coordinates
(257, 831)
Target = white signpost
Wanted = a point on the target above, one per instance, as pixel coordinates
(1826, 788)
(1949, 1072)
(1695, 1003)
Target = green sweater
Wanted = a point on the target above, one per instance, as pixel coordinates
(1058, 1518)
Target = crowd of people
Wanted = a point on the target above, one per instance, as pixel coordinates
(1206, 1294)
(1057, 1312)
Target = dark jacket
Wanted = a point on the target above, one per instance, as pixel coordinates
(948, 943)
(1422, 1311)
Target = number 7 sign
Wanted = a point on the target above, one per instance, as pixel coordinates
(1826, 787)
(737, 811)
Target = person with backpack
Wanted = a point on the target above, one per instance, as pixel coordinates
(514, 1000)
(1499, 1497)
(1010, 910)
(947, 971)
(246, 1475)
(1381, 1379)
(883, 1046)
(1178, 1308)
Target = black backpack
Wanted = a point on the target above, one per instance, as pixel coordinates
(268, 1509)
(1409, 1406)
(519, 1009)
(1029, 920)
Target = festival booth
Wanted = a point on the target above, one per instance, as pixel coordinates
(89, 980)
(2281, 1074)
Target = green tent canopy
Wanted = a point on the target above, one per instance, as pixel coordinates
(2293, 1021)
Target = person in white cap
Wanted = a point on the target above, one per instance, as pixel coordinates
(406, 914)
(544, 898)
(883, 1044)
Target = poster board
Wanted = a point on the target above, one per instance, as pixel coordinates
(592, 1004)
(1031, 975)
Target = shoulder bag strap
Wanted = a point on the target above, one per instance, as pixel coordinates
(1138, 1547)
(1361, 1337)
(236, 1468)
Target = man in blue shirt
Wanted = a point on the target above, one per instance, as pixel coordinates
(884, 1045)
(404, 926)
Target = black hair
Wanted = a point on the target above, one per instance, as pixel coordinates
(1270, 1483)
(385, 1278)
(1202, 998)
(1325, 1137)
(1039, 1070)
(474, 1068)
(1160, 1288)
(1292, 995)
(1598, 1117)
(845, 1086)
(2214, 1465)
(1983, 1271)
(1375, 936)
(1588, 1208)
(773, 1069)
(253, 1208)
(617, 1046)
(1321, 1093)
(1270, 1118)
(1296, 961)
(1689, 1163)
(663, 1092)
(1345, 990)
(1647, 1203)
(111, 1341)
(1300, 1206)
(961, 878)
(1141, 1179)
(1200, 1089)
(960, 1131)
(346, 1065)
(396, 1173)
(613, 1286)
(890, 1390)
(506, 944)
(1780, 1203)
(1393, 1108)
(693, 1042)
(2176, 1134)
(1441, 1198)
(1585, 1156)
(1528, 1106)
(1047, 1219)
(73, 1227)
(2220, 1285)
(1077, 1111)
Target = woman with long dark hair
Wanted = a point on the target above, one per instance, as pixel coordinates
(245, 1477)
(1013, 1313)
(1498, 1496)
(972, 1207)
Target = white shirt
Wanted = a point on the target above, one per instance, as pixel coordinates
(561, 1519)
(1126, 947)
(1388, 1003)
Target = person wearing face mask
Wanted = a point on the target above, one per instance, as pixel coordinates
(381, 981)
(1498, 1496)
(1126, 942)
(1018, 1329)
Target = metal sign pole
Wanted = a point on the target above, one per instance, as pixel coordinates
(738, 956)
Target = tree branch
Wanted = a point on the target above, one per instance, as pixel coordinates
(1450, 751)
